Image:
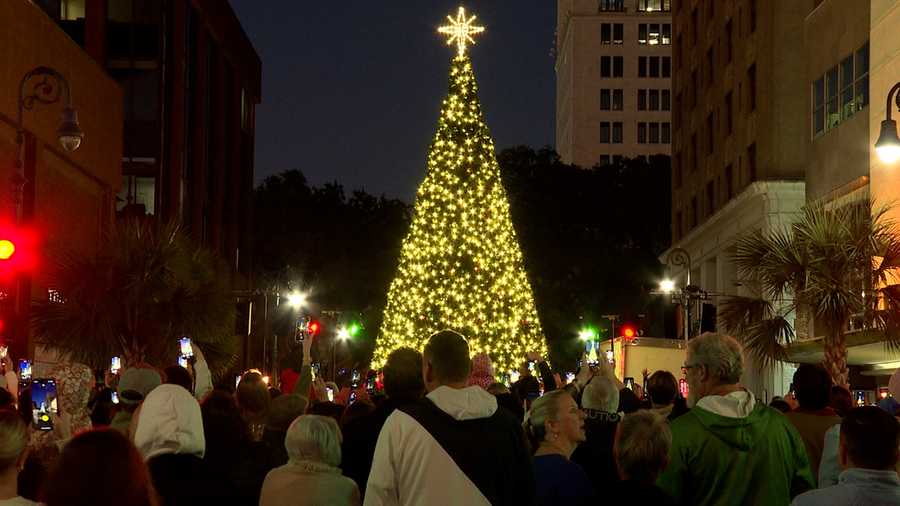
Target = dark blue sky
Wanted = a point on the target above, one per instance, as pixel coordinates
(352, 89)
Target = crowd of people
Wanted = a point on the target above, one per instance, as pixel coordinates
(446, 432)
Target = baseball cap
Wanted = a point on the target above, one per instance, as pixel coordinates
(136, 383)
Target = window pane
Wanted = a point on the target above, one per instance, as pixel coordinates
(862, 61)
(667, 66)
(831, 83)
(642, 66)
(654, 66)
(618, 33)
(666, 34)
(604, 133)
(654, 100)
(642, 133)
(617, 102)
(605, 64)
(618, 66)
(617, 133)
(846, 72)
(666, 100)
(666, 136)
(653, 38)
(604, 100)
(819, 120)
(642, 33)
(834, 115)
(605, 35)
(819, 92)
(654, 133)
(862, 93)
(848, 107)
(642, 100)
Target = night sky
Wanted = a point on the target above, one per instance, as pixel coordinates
(352, 89)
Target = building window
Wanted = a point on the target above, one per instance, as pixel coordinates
(618, 34)
(751, 162)
(604, 132)
(605, 100)
(841, 92)
(654, 5)
(654, 100)
(642, 100)
(666, 34)
(694, 89)
(612, 5)
(642, 33)
(604, 160)
(710, 134)
(729, 183)
(751, 87)
(654, 133)
(729, 116)
(617, 132)
(666, 100)
(710, 10)
(728, 42)
(654, 66)
(667, 66)
(642, 133)
(653, 34)
(617, 100)
(605, 66)
(642, 66)
(606, 33)
(752, 16)
(618, 66)
(678, 174)
(694, 27)
(666, 133)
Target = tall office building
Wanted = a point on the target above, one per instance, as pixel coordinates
(740, 123)
(191, 80)
(613, 79)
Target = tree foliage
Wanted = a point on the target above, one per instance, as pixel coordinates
(832, 265)
(147, 286)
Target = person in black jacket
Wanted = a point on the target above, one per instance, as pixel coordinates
(599, 402)
(403, 384)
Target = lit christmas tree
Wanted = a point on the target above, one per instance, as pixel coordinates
(460, 265)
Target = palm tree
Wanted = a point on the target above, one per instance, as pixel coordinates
(831, 266)
(147, 286)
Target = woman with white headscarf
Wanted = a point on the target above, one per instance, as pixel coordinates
(312, 475)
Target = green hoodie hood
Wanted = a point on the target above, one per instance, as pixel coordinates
(739, 433)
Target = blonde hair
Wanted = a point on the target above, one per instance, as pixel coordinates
(13, 438)
(315, 438)
(642, 445)
(544, 408)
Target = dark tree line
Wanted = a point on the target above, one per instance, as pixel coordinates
(590, 238)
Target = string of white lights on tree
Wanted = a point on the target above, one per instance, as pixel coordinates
(460, 264)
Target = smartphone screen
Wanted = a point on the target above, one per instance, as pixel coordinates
(570, 377)
(237, 380)
(4, 351)
(683, 387)
(24, 369)
(43, 402)
(352, 397)
(370, 384)
(115, 397)
(629, 384)
(183, 362)
(531, 366)
(115, 364)
(354, 379)
(184, 344)
(330, 392)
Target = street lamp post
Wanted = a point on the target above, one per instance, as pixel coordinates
(888, 144)
(679, 257)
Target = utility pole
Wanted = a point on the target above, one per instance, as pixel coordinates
(613, 318)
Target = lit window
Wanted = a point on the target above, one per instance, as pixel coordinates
(653, 36)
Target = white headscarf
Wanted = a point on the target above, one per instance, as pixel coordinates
(170, 422)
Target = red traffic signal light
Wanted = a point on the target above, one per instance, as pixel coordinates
(628, 332)
(313, 328)
(7, 249)
(18, 250)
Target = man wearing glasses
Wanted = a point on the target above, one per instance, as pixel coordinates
(730, 449)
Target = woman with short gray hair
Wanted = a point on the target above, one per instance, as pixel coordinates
(312, 475)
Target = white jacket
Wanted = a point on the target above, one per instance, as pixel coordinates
(169, 421)
(411, 468)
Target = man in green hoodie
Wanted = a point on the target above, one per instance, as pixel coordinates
(729, 449)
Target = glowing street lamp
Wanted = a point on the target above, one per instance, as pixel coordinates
(667, 285)
(343, 333)
(296, 299)
(888, 144)
(587, 334)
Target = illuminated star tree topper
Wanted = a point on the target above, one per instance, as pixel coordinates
(461, 266)
(461, 31)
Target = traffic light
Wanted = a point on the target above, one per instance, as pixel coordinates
(313, 328)
(628, 332)
(18, 250)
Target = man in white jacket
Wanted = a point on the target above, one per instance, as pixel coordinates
(455, 446)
